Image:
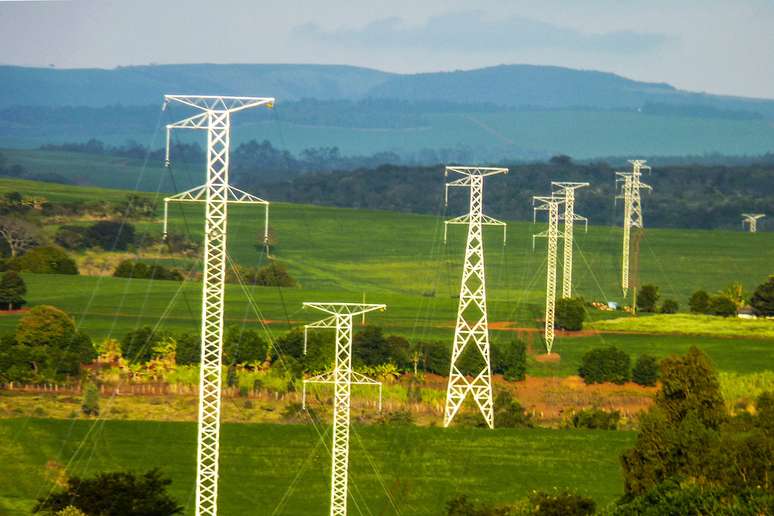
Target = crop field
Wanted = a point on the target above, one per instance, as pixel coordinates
(394, 469)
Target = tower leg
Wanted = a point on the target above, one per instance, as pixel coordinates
(342, 375)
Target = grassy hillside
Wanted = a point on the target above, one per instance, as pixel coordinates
(286, 468)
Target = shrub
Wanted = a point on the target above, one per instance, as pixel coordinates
(647, 298)
(561, 503)
(12, 290)
(90, 405)
(570, 314)
(243, 345)
(509, 359)
(435, 356)
(140, 270)
(605, 365)
(187, 349)
(669, 306)
(721, 305)
(111, 235)
(699, 302)
(72, 237)
(645, 371)
(762, 300)
(596, 419)
(44, 260)
(137, 346)
(369, 347)
(508, 413)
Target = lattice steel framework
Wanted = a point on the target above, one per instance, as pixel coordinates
(472, 324)
(215, 118)
(341, 315)
(630, 193)
(752, 220)
(567, 189)
(551, 234)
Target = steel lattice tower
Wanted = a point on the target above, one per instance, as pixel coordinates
(630, 192)
(341, 315)
(472, 325)
(567, 189)
(215, 118)
(551, 205)
(752, 220)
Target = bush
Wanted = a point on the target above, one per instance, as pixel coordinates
(647, 298)
(44, 260)
(596, 419)
(510, 359)
(435, 356)
(721, 305)
(645, 371)
(12, 291)
(561, 503)
(605, 365)
(243, 345)
(74, 238)
(90, 405)
(699, 302)
(762, 300)
(140, 270)
(188, 349)
(570, 314)
(669, 306)
(111, 235)
(137, 346)
(369, 347)
(508, 413)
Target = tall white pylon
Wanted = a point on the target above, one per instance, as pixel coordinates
(752, 220)
(215, 118)
(567, 189)
(472, 325)
(630, 192)
(341, 315)
(551, 205)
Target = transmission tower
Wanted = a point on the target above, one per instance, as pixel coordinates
(752, 220)
(569, 217)
(215, 118)
(551, 205)
(472, 325)
(630, 193)
(340, 317)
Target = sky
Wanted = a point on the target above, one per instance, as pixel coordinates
(714, 46)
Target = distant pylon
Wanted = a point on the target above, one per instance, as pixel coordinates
(340, 317)
(472, 324)
(569, 217)
(752, 220)
(215, 118)
(551, 234)
(630, 192)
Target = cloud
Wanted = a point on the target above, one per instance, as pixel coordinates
(472, 32)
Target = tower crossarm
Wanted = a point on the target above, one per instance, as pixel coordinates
(350, 309)
(752, 220)
(219, 103)
(486, 220)
(327, 323)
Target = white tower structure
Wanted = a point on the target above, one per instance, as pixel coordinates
(340, 317)
(567, 189)
(551, 205)
(472, 325)
(630, 192)
(752, 220)
(215, 118)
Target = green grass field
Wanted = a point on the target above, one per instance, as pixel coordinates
(690, 324)
(285, 468)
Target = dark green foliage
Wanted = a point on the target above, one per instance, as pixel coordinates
(561, 503)
(111, 235)
(114, 494)
(319, 353)
(72, 237)
(509, 358)
(699, 302)
(188, 349)
(399, 351)
(596, 419)
(762, 300)
(140, 270)
(136, 206)
(273, 274)
(243, 346)
(605, 365)
(647, 298)
(570, 314)
(435, 356)
(462, 506)
(90, 405)
(12, 291)
(414, 390)
(369, 347)
(44, 260)
(721, 305)
(137, 345)
(508, 413)
(645, 371)
(669, 306)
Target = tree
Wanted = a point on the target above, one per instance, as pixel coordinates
(508, 413)
(111, 235)
(605, 365)
(647, 298)
(509, 358)
(12, 290)
(187, 349)
(570, 314)
(669, 306)
(735, 292)
(274, 274)
(645, 370)
(19, 234)
(72, 237)
(45, 260)
(762, 300)
(243, 345)
(699, 302)
(114, 494)
(137, 345)
(721, 305)
(369, 347)
(90, 405)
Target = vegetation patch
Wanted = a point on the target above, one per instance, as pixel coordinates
(689, 324)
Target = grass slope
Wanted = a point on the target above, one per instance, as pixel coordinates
(284, 469)
(690, 325)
